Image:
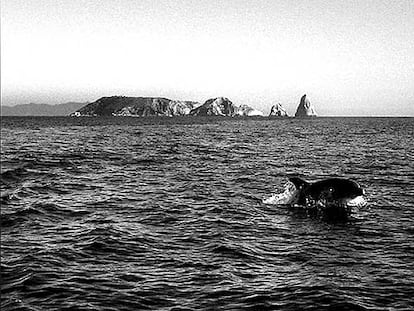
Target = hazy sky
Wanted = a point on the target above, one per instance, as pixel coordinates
(350, 57)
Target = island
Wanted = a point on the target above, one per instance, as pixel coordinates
(278, 111)
(124, 106)
(156, 106)
(305, 109)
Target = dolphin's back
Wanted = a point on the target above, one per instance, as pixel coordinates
(299, 182)
(337, 188)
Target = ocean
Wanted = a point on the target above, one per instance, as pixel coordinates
(168, 214)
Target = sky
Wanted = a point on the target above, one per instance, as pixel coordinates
(352, 58)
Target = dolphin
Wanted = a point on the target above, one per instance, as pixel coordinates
(331, 189)
(334, 195)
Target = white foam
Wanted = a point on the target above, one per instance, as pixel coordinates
(289, 195)
(359, 201)
(286, 197)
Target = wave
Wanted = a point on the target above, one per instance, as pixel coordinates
(132, 214)
(13, 175)
(39, 211)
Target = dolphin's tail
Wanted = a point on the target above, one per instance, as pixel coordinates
(299, 182)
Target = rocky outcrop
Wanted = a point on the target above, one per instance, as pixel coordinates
(156, 106)
(136, 107)
(278, 111)
(219, 106)
(222, 106)
(247, 111)
(305, 108)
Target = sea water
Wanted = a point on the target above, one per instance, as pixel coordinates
(168, 214)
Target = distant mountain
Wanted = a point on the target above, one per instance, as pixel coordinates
(41, 109)
(135, 107)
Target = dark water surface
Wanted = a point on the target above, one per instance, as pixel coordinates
(166, 214)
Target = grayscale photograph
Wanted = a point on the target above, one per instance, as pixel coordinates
(185, 155)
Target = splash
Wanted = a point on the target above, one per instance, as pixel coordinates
(357, 202)
(288, 196)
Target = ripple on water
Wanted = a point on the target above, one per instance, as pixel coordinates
(166, 214)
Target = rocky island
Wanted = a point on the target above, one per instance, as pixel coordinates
(305, 109)
(156, 106)
(136, 106)
(222, 106)
(278, 111)
(124, 106)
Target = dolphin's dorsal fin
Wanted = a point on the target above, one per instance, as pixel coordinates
(298, 182)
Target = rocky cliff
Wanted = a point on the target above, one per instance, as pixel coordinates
(278, 111)
(222, 106)
(305, 108)
(219, 106)
(155, 106)
(136, 106)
